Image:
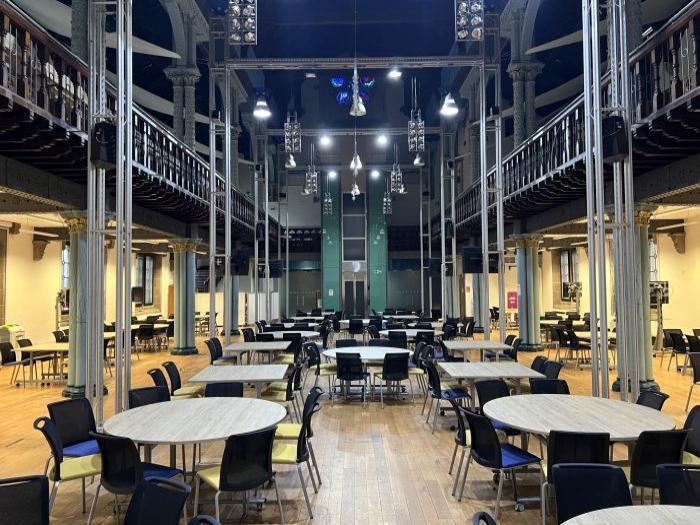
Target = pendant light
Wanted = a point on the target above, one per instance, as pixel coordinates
(291, 163)
(449, 106)
(262, 110)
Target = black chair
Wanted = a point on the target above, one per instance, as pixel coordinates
(549, 386)
(424, 326)
(679, 347)
(487, 451)
(246, 465)
(694, 359)
(380, 342)
(427, 336)
(264, 337)
(157, 502)
(652, 399)
(679, 484)
(229, 389)
(462, 440)
(577, 347)
(24, 500)
(74, 421)
(395, 326)
(345, 343)
(146, 336)
(691, 453)
(510, 354)
(216, 351)
(394, 371)
(580, 488)
(373, 332)
(123, 470)
(139, 397)
(654, 448)
(483, 517)
(203, 520)
(176, 388)
(552, 369)
(436, 392)
(349, 369)
(398, 338)
(572, 447)
(489, 390)
(248, 335)
(539, 364)
(356, 327)
(60, 336)
(8, 358)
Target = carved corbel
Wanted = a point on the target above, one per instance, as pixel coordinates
(38, 248)
(678, 240)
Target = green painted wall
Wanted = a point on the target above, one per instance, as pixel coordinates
(377, 232)
(331, 250)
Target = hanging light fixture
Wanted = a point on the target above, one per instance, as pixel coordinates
(449, 106)
(292, 134)
(243, 22)
(262, 110)
(416, 126)
(396, 177)
(469, 20)
(291, 163)
(311, 177)
(327, 203)
(418, 162)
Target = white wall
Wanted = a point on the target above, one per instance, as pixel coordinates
(32, 286)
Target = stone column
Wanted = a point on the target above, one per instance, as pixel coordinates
(184, 280)
(527, 261)
(175, 77)
(532, 71)
(517, 73)
(77, 346)
(190, 78)
(79, 28)
(643, 344)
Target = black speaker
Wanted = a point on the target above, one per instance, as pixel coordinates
(449, 229)
(260, 231)
(615, 144)
(472, 260)
(103, 147)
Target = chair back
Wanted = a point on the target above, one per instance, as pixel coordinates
(489, 390)
(655, 447)
(679, 484)
(398, 338)
(549, 386)
(173, 375)
(53, 438)
(74, 420)
(247, 461)
(395, 367)
(355, 326)
(139, 397)
(448, 332)
(24, 342)
(345, 343)
(373, 331)
(7, 354)
(122, 470)
(552, 369)
(469, 332)
(539, 363)
(313, 355)
(228, 389)
(692, 425)
(24, 500)
(652, 399)
(427, 336)
(325, 331)
(583, 487)
(248, 335)
(380, 342)
(309, 405)
(678, 342)
(158, 378)
(694, 359)
(60, 336)
(576, 447)
(349, 367)
(509, 339)
(157, 501)
(480, 518)
(461, 433)
(265, 337)
(486, 449)
(433, 377)
(421, 325)
(145, 332)
(693, 343)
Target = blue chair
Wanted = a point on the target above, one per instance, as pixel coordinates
(437, 394)
(489, 452)
(74, 421)
(582, 487)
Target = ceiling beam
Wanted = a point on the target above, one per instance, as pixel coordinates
(336, 63)
(349, 132)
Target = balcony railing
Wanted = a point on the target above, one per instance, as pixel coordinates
(664, 74)
(44, 76)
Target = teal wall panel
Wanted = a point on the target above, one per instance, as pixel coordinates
(377, 241)
(331, 250)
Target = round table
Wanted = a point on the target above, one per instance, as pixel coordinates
(189, 421)
(368, 354)
(542, 413)
(345, 323)
(410, 332)
(305, 334)
(639, 515)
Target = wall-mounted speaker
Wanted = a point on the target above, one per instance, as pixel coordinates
(103, 146)
(615, 144)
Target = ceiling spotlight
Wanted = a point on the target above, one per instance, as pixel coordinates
(310, 75)
(394, 73)
(418, 162)
(449, 106)
(291, 163)
(326, 141)
(356, 163)
(375, 174)
(262, 110)
(382, 140)
(332, 174)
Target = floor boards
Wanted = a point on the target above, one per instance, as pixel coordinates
(378, 466)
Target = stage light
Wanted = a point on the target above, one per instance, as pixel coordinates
(356, 162)
(325, 141)
(386, 204)
(418, 162)
(262, 110)
(416, 132)
(332, 174)
(469, 20)
(449, 106)
(375, 174)
(243, 22)
(394, 73)
(292, 134)
(382, 140)
(291, 163)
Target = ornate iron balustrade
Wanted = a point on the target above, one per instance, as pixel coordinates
(665, 74)
(42, 75)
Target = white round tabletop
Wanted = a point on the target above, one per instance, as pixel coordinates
(365, 322)
(542, 413)
(410, 332)
(639, 515)
(195, 420)
(367, 353)
(278, 336)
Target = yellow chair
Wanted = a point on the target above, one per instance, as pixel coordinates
(65, 469)
(176, 388)
(288, 395)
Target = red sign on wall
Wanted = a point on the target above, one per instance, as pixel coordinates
(512, 300)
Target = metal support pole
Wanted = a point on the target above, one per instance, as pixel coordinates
(286, 247)
(228, 188)
(268, 306)
(443, 255)
(255, 230)
(430, 236)
(453, 218)
(485, 312)
(420, 229)
(500, 235)
(212, 197)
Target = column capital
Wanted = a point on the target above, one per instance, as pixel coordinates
(76, 222)
(521, 71)
(527, 240)
(643, 213)
(183, 75)
(184, 245)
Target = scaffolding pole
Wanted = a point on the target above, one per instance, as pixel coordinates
(485, 312)
(453, 218)
(212, 194)
(500, 193)
(268, 306)
(421, 240)
(228, 188)
(443, 255)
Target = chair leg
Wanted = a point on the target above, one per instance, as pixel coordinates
(381, 392)
(430, 408)
(497, 511)
(306, 495)
(82, 493)
(435, 415)
(313, 458)
(690, 393)
(311, 475)
(543, 502)
(279, 501)
(454, 455)
(196, 495)
(459, 471)
(94, 504)
(216, 505)
(464, 477)
(425, 401)
(52, 497)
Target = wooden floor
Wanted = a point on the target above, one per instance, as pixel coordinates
(378, 466)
